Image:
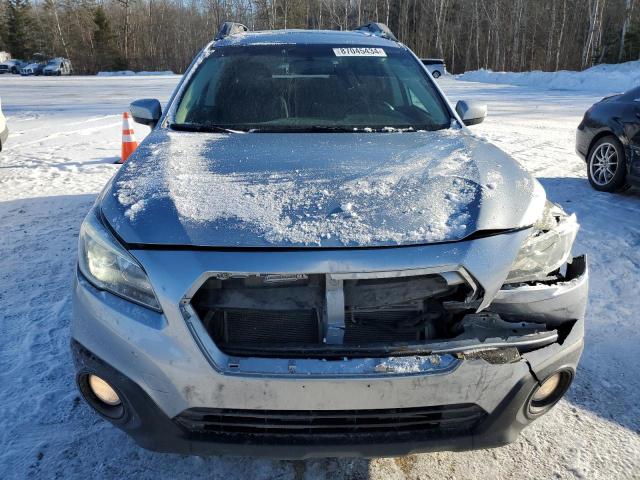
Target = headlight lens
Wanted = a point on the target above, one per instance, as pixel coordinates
(110, 267)
(547, 248)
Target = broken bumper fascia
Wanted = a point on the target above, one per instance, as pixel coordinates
(552, 303)
(560, 305)
(163, 372)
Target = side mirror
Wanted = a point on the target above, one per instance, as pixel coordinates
(471, 113)
(146, 111)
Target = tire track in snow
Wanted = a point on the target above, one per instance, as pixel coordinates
(56, 135)
(17, 133)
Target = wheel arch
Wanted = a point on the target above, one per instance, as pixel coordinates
(607, 132)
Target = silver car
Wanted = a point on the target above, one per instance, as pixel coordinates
(311, 255)
(58, 66)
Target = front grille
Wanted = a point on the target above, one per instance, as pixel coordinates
(450, 418)
(289, 316)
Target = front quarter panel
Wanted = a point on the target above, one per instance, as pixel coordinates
(632, 131)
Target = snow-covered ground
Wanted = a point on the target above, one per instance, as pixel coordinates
(65, 135)
(129, 73)
(604, 79)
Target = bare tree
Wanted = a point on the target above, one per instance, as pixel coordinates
(498, 34)
(625, 27)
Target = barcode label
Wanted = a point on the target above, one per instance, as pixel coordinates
(359, 52)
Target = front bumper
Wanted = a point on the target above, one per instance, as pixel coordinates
(4, 134)
(152, 428)
(583, 141)
(155, 361)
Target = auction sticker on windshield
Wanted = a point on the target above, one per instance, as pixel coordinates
(359, 52)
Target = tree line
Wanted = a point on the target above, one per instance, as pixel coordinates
(511, 35)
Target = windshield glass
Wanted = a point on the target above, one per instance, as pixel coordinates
(53, 63)
(311, 88)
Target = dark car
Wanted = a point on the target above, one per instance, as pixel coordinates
(608, 138)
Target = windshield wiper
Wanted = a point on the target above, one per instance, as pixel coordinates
(193, 127)
(310, 129)
(328, 128)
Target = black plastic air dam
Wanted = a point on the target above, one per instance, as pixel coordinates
(152, 429)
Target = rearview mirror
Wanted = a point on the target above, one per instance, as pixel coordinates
(146, 111)
(471, 113)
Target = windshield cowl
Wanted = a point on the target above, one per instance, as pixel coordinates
(311, 129)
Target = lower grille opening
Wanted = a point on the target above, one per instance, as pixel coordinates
(450, 418)
(292, 316)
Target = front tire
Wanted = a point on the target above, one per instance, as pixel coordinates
(607, 165)
(436, 74)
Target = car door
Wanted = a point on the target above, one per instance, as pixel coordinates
(632, 132)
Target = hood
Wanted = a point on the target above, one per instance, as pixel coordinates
(317, 189)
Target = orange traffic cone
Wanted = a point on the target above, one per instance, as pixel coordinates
(129, 143)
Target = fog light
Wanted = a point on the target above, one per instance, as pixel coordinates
(549, 392)
(547, 388)
(103, 391)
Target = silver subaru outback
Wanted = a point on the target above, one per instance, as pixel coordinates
(311, 255)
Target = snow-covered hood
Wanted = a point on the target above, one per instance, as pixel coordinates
(316, 189)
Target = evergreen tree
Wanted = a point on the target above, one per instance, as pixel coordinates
(106, 53)
(632, 43)
(19, 28)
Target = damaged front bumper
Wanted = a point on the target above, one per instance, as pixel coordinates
(446, 395)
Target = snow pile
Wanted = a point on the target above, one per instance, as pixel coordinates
(130, 73)
(605, 78)
(415, 364)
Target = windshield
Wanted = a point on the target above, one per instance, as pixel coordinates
(53, 64)
(311, 88)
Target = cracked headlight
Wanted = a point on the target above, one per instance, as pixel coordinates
(108, 266)
(547, 248)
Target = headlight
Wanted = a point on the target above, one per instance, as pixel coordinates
(108, 266)
(547, 248)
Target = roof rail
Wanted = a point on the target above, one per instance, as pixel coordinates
(230, 28)
(379, 29)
